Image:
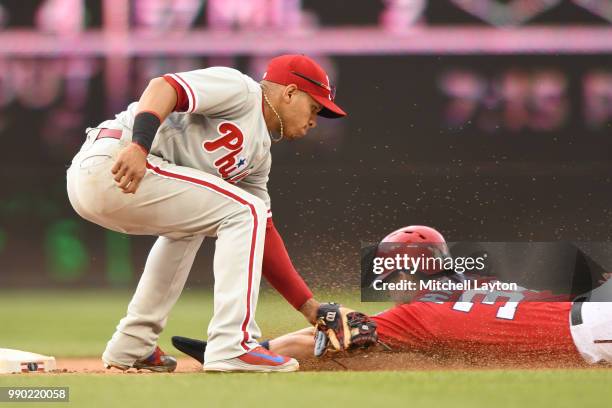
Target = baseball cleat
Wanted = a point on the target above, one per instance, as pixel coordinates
(258, 360)
(158, 362)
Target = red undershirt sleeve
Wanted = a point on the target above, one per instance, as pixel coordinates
(279, 271)
(182, 101)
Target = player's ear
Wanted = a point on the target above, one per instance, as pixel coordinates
(290, 92)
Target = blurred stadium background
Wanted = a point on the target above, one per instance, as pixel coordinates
(488, 119)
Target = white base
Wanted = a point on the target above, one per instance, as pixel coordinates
(16, 361)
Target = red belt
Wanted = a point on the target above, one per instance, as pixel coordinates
(109, 133)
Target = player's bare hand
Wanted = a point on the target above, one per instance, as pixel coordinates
(130, 168)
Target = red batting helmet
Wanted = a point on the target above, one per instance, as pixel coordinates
(415, 234)
(415, 241)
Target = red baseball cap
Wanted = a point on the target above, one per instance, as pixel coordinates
(309, 77)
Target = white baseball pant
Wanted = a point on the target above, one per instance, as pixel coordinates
(181, 205)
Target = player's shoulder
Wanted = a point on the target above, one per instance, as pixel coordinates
(217, 74)
(221, 70)
(229, 73)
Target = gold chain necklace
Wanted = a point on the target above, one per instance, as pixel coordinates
(277, 115)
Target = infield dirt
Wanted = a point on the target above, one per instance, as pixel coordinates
(364, 362)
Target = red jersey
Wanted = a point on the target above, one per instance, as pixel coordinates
(488, 326)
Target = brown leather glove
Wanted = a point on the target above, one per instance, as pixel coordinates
(341, 329)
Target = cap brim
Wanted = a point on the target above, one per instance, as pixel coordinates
(330, 109)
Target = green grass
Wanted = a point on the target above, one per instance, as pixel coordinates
(78, 323)
(510, 388)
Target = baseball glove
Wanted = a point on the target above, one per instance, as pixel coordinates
(341, 329)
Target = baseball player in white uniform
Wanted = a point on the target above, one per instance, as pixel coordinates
(191, 159)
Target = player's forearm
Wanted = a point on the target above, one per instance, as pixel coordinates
(298, 345)
(155, 104)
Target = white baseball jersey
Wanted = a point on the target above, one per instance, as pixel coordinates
(222, 132)
(203, 164)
